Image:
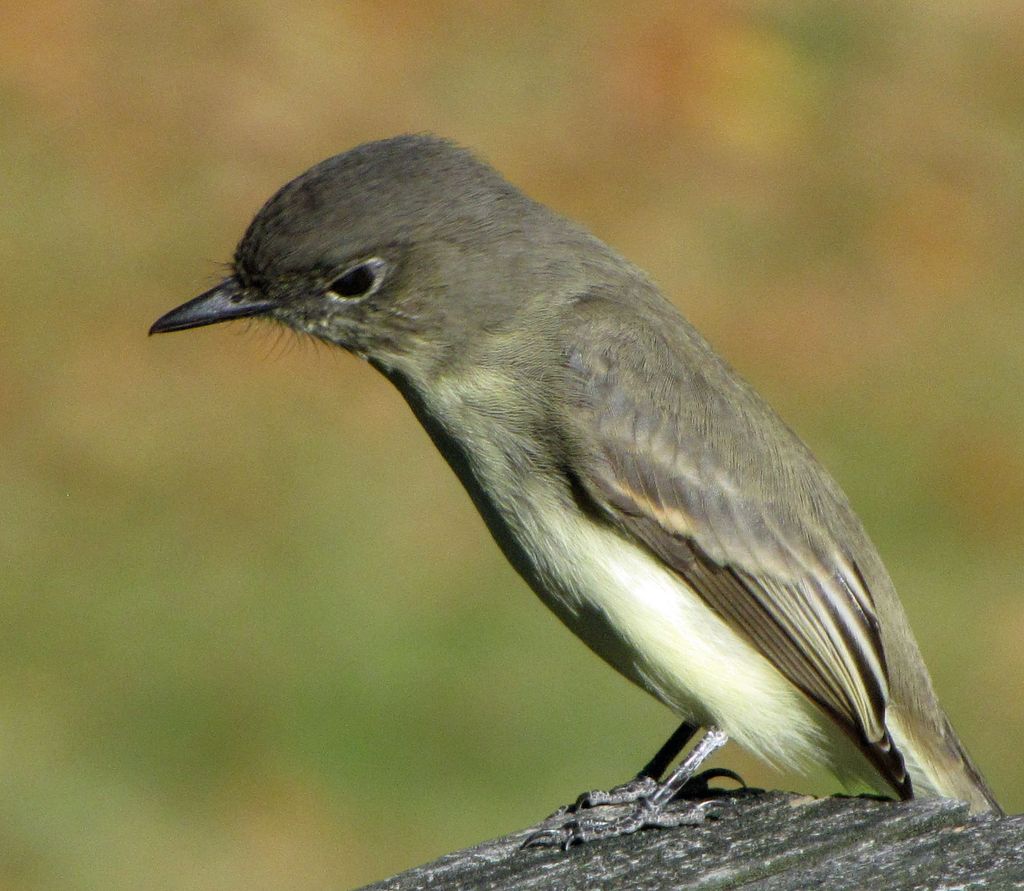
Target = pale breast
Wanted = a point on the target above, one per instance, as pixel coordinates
(620, 599)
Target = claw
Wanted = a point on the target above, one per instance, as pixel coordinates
(545, 838)
(700, 785)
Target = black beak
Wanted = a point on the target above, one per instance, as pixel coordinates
(226, 301)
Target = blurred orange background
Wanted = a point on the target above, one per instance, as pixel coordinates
(254, 634)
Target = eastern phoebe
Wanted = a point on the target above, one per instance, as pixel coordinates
(644, 491)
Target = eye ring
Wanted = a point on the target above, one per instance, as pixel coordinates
(359, 281)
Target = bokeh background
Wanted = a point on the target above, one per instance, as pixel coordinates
(253, 633)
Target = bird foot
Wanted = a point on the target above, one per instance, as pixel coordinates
(642, 802)
(642, 786)
(624, 793)
(640, 813)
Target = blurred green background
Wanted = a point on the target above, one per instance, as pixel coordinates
(253, 633)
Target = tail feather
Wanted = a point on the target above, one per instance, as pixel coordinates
(939, 766)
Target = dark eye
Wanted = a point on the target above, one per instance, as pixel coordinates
(359, 280)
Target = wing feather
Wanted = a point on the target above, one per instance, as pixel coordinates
(699, 470)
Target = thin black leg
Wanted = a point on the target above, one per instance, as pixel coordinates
(668, 752)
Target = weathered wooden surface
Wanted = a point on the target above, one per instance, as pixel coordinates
(765, 841)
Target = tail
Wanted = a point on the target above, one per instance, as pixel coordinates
(939, 765)
(936, 760)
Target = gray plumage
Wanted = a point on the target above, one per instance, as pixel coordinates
(626, 470)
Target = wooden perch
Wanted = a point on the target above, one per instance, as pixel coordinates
(769, 841)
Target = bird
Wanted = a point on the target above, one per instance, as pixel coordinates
(638, 484)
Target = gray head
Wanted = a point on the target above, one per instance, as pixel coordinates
(399, 248)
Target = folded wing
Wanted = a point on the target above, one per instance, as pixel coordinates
(681, 463)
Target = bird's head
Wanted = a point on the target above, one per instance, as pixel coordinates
(400, 251)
